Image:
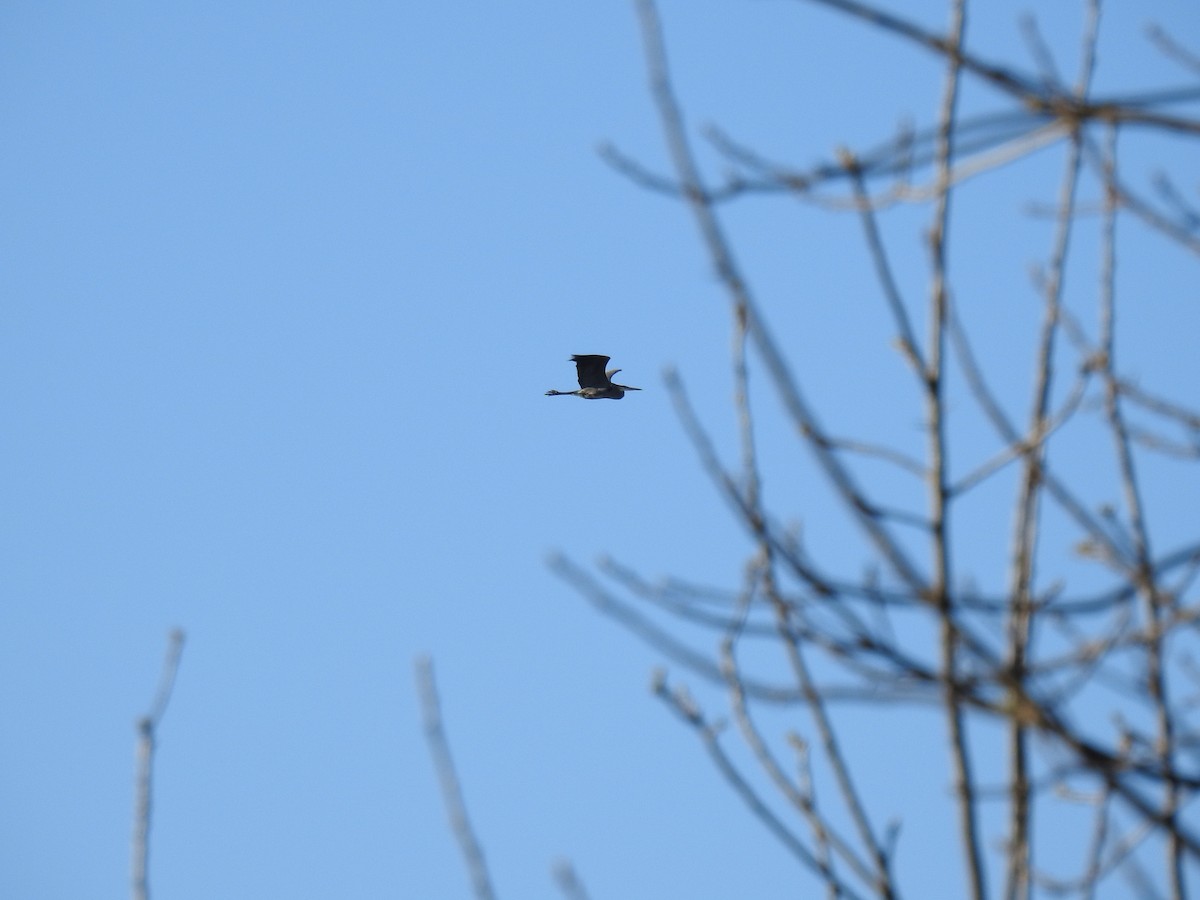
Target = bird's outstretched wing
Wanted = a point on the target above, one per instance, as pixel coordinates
(590, 369)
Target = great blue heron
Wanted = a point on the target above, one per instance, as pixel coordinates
(594, 382)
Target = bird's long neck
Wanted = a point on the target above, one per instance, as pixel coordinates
(554, 393)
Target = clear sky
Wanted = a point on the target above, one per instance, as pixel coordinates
(283, 284)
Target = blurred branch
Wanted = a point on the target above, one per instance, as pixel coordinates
(1035, 95)
(883, 271)
(1156, 681)
(1173, 49)
(147, 729)
(682, 704)
(1025, 541)
(439, 749)
(940, 591)
(568, 881)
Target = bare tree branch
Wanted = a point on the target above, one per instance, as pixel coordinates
(147, 729)
(568, 881)
(456, 809)
(681, 703)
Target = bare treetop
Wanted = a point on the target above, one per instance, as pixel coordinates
(1059, 700)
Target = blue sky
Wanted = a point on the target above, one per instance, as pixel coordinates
(284, 285)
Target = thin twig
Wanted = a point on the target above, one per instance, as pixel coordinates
(1029, 446)
(568, 881)
(1022, 87)
(147, 729)
(655, 636)
(1187, 417)
(882, 880)
(747, 514)
(685, 707)
(456, 809)
(1021, 624)
(1155, 675)
(1173, 49)
(823, 833)
(883, 272)
(1004, 427)
(939, 484)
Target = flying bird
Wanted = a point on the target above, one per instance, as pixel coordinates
(594, 382)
